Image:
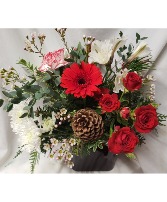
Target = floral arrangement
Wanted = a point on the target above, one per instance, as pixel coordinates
(82, 98)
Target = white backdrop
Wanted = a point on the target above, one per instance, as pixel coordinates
(151, 157)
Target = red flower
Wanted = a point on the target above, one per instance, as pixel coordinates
(100, 92)
(146, 119)
(123, 140)
(81, 80)
(109, 102)
(132, 81)
(125, 112)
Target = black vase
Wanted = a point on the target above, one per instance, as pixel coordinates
(101, 160)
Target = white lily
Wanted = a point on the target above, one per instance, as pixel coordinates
(119, 81)
(142, 50)
(118, 42)
(100, 51)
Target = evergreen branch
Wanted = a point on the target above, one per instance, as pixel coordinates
(34, 159)
(161, 118)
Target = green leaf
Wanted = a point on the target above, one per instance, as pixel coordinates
(18, 91)
(38, 95)
(9, 95)
(46, 77)
(8, 107)
(112, 127)
(69, 60)
(131, 155)
(143, 38)
(32, 102)
(74, 54)
(123, 58)
(1, 102)
(26, 64)
(23, 115)
(82, 57)
(17, 100)
(22, 62)
(34, 159)
(137, 37)
(20, 151)
(119, 53)
(100, 145)
(94, 147)
(98, 110)
(120, 34)
(129, 48)
(31, 114)
(27, 108)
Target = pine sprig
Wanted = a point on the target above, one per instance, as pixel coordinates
(161, 118)
(34, 159)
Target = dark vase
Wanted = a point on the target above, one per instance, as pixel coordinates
(101, 160)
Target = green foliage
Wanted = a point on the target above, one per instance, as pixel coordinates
(138, 38)
(141, 139)
(8, 95)
(34, 159)
(161, 118)
(26, 65)
(8, 107)
(120, 34)
(131, 155)
(20, 151)
(78, 55)
(140, 64)
(1, 102)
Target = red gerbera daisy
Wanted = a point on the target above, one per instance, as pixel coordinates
(81, 80)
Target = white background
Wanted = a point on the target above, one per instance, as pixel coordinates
(151, 158)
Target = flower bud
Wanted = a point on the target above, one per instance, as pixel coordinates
(125, 112)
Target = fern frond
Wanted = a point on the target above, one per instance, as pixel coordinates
(34, 159)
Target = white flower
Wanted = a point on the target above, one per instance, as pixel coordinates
(17, 123)
(150, 77)
(100, 51)
(28, 45)
(69, 156)
(142, 50)
(48, 124)
(46, 146)
(72, 142)
(70, 164)
(44, 68)
(60, 152)
(66, 54)
(63, 111)
(54, 141)
(30, 137)
(119, 80)
(118, 42)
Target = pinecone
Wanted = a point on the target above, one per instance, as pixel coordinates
(87, 125)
